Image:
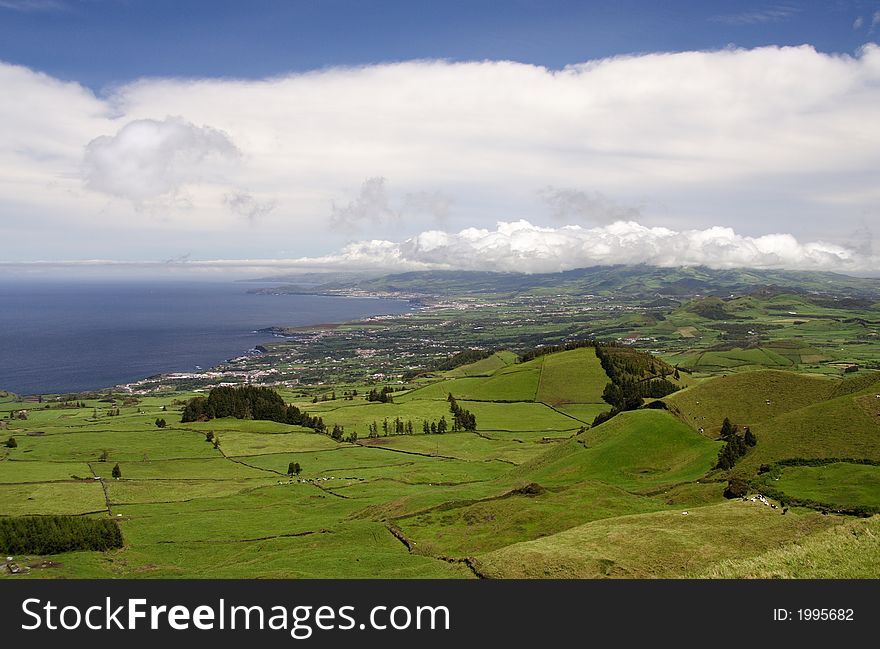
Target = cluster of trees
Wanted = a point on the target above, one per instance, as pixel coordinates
(396, 427)
(346, 395)
(736, 445)
(161, 423)
(338, 434)
(294, 468)
(624, 364)
(435, 427)
(382, 396)
(70, 404)
(248, 402)
(54, 534)
(635, 376)
(461, 419)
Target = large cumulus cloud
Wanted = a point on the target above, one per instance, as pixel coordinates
(522, 247)
(149, 158)
(763, 140)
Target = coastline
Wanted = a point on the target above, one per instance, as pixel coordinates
(93, 352)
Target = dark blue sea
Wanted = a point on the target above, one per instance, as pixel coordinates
(69, 337)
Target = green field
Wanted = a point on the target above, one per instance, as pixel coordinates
(533, 492)
(840, 484)
(572, 377)
(655, 545)
(637, 451)
(748, 398)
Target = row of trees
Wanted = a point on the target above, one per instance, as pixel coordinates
(248, 402)
(396, 427)
(346, 395)
(461, 419)
(382, 396)
(54, 534)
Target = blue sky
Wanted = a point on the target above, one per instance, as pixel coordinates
(250, 137)
(100, 42)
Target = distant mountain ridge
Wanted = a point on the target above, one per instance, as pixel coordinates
(619, 280)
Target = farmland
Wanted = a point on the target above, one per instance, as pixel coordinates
(541, 486)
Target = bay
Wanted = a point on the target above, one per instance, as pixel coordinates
(58, 337)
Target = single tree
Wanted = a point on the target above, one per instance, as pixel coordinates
(750, 438)
(11, 443)
(117, 472)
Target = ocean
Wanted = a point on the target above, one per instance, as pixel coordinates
(60, 337)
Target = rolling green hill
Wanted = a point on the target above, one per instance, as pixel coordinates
(636, 450)
(532, 492)
(654, 545)
(847, 551)
(575, 376)
(635, 280)
(744, 397)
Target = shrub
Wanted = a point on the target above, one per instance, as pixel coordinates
(736, 488)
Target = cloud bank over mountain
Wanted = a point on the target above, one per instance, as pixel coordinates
(521, 246)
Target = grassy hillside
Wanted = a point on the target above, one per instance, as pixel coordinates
(636, 450)
(655, 545)
(485, 366)
(533, 492)
(572, 377)
(847, 551)
(744, 397)
(837, 485)
(834, 428)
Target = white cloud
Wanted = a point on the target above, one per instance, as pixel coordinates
(148, 158)
(858, 23)
(875, 20)
(778, 139)
(521, 246)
